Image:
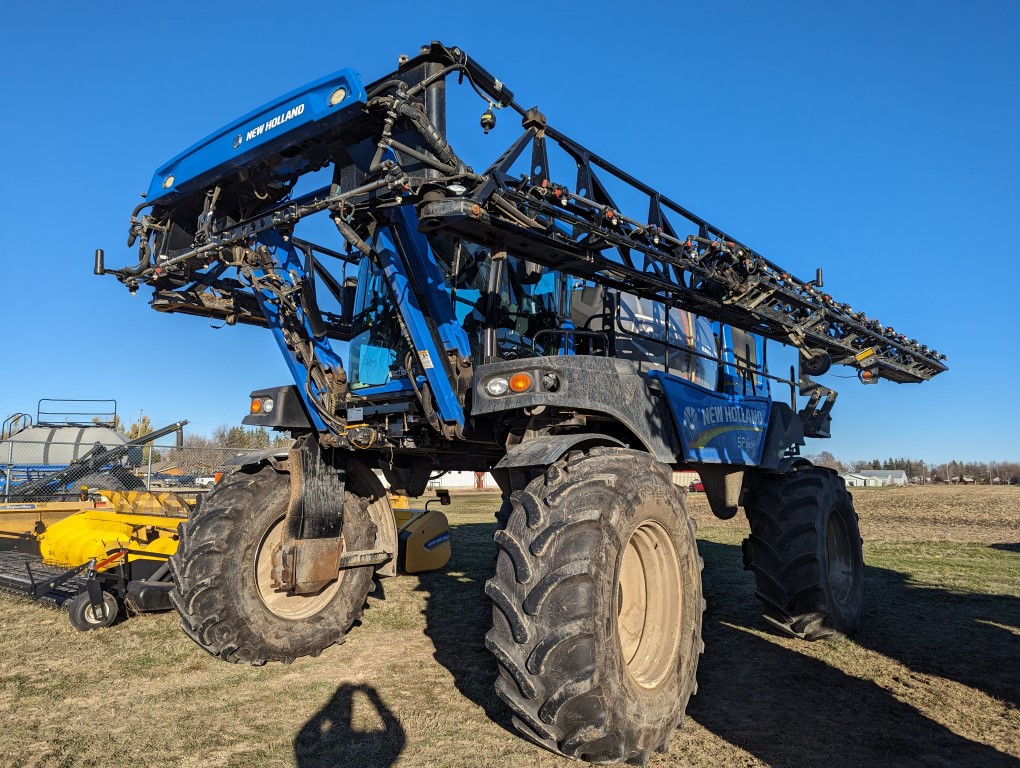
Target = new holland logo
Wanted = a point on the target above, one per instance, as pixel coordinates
(430, 545)
(270, 124)
(732, 415)
(691, 421)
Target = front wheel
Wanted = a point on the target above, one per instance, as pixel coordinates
(222, 572)
(805, 552)
(597, 607)
(84, 617)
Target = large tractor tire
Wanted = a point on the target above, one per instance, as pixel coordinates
(805, 552)
(597, 607)
(510, 480)
(222, 571)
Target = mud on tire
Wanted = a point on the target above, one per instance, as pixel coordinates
(805, 552)
(221, 578)
(597, 607)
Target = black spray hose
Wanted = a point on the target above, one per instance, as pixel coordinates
(439, 146)
(144, 262)
(135, 223)
(394, 83)
(351, 236)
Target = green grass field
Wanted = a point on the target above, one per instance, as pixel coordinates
(931, 679)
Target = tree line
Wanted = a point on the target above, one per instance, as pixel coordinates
(223, 436)
(238, 437)
(920, 471)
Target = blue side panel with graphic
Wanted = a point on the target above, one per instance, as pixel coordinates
(716, 428)
(281, 123)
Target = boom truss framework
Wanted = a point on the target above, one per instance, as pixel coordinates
(665, 253)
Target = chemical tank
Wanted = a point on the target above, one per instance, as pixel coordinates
(48, 445)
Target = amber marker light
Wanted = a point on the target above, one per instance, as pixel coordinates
(256, 405)
(520, 382)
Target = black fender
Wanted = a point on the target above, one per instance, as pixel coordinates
(544, 450)
(255, 459)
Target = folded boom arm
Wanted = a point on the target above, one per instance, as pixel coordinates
(388, 148)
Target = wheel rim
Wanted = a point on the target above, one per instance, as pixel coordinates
(282, 603)
(92, 616)
(103, 616)
(839, 557)
(649, 605)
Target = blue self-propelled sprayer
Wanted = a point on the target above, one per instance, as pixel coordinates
(549, 319)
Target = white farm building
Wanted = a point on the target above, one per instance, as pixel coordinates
(875, 478)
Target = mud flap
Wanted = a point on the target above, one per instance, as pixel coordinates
(308, 558)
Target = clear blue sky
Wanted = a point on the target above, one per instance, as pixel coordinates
(878, 140)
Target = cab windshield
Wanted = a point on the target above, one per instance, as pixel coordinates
(378, 349)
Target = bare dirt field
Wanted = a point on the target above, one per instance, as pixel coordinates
(931, 679)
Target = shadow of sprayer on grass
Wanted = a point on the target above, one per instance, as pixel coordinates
(781, 706)
(960, 636)
(458, 613)
(330, 739)
(787, 708)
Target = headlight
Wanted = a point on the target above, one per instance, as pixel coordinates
(497, 386)
(267, 405)
(337, 96)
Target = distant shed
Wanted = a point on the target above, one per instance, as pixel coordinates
(858, 480)
(886, 476)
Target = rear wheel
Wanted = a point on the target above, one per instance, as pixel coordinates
(223, 572)
(597, 607)
(805, 552)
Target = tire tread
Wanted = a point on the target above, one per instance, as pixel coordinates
(784, 552)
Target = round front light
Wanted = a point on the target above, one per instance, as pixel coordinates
(337, 96)
(168, 182)
(256, 405)
(520, 382)
(497, 387)
(267, 405)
